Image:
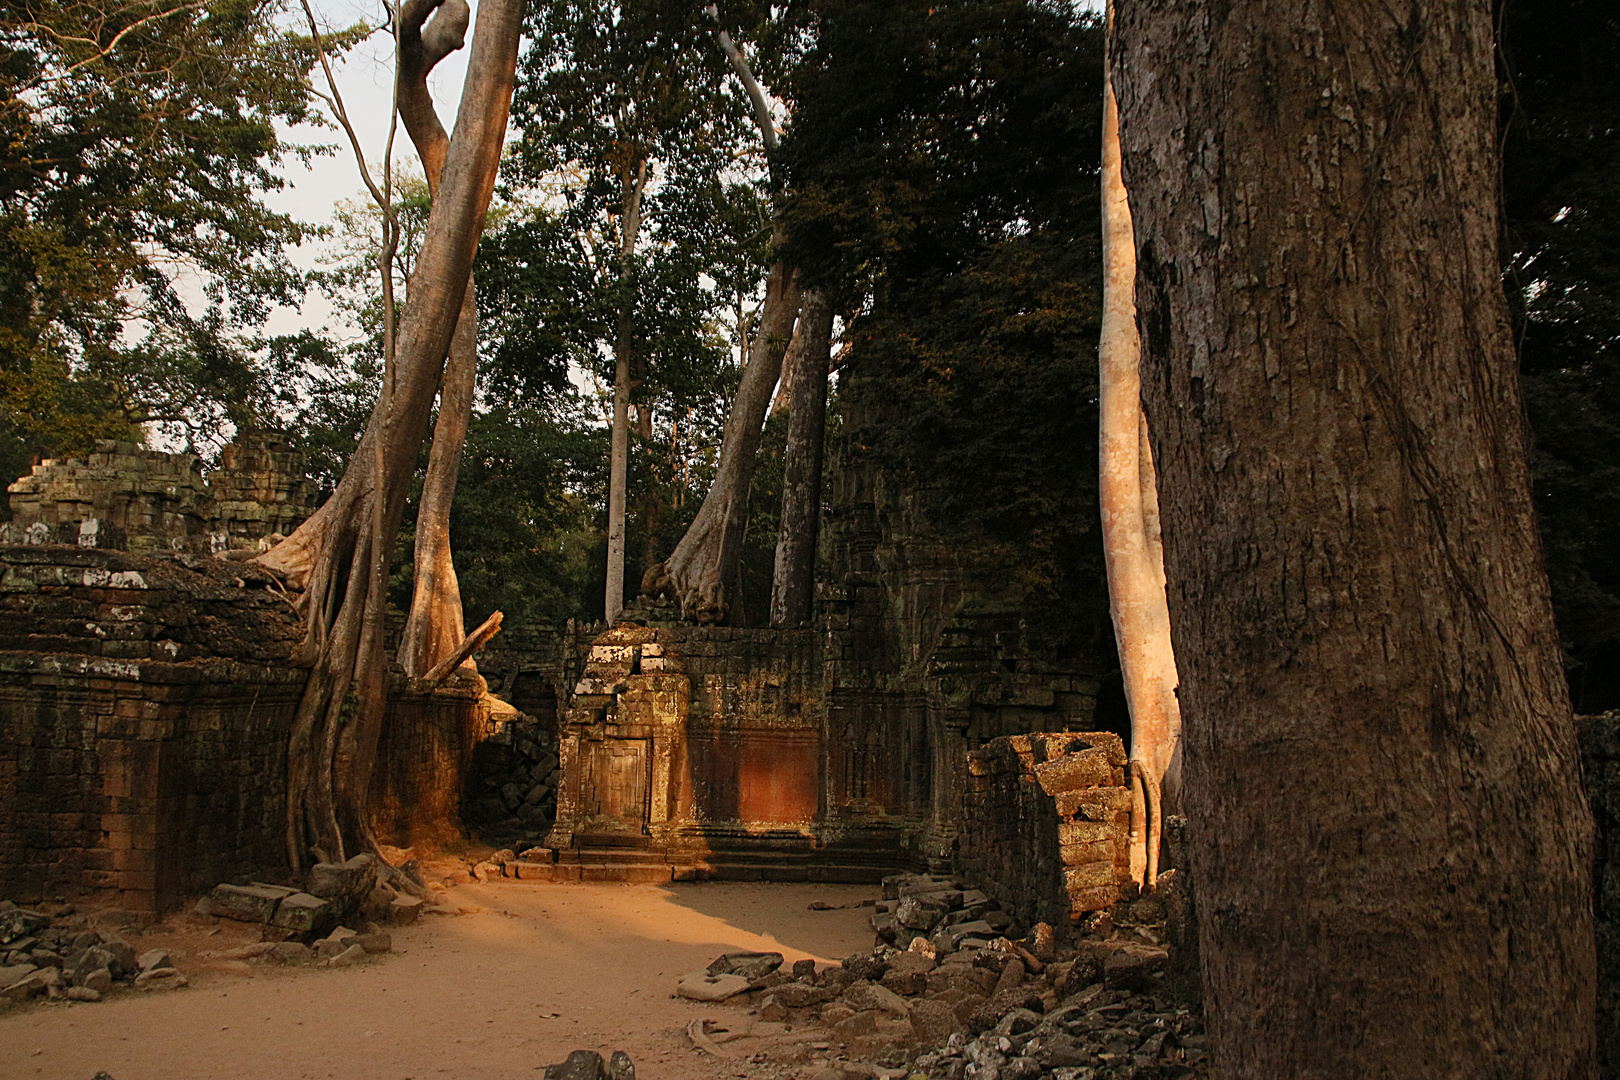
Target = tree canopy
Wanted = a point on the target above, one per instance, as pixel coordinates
(135, 248)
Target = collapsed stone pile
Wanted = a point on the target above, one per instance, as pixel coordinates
(965, 1000)
(517, 775)
(332, 892)
(60, 956)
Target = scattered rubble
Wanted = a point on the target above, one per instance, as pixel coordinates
(60, 956)
(948, 993)
(588, 1065)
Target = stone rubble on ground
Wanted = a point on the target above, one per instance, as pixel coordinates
(588, 1065)
(60, 957)
(950, 992)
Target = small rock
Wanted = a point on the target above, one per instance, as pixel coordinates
(246, 903)
(835, 1013)
(932, 1022)
(346, 884)
(329, 948)
(855, 1026)
(15, 973)
(795, 995)
(154, 958)
(620, 1067)
(373, 944)
(750, 965)
(804, 969)
(16, 922)
(305, 913)
(772, 1010)
(701, 986)
(405, 910)
(81, 993)
(160, 979)
(290, 952)
(865, 995)
(581, 1065)
(348, 957)
(99, 980)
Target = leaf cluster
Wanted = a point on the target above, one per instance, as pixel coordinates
(136, 141)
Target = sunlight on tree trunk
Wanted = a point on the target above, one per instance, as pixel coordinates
(333, 744)
(436, 626)
(706, 559)
(794, 580)
(1130, 525)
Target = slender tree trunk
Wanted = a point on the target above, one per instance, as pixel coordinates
(1130, 524)
(1390, 841)
(435, 626)
(697, 571)
(794, 581)
(619, 456)
(333, 744)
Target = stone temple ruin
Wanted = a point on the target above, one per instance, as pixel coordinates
(145, 698)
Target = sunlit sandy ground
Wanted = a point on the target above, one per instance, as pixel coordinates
(537, 971)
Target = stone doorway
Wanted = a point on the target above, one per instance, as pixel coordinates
(618, 781)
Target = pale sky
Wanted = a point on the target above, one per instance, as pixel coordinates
(365, 80)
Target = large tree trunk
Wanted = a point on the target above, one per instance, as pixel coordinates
(333, 744)
(619, 434)
(435, 626)
(1390, 841)
(1130, 525)
(793, 583)
(705, 560)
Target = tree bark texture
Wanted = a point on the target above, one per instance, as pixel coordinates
(619, 435)
(435, 625)
(705, 560)
(333, 744)
(1132, 549)
(1389, 838)
(794, 579)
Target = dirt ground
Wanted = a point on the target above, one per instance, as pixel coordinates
(535, 972)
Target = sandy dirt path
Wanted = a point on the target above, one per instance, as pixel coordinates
(537, 972)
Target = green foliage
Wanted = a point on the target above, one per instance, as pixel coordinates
(135, 143)
(1560, 64)
(609, 93)
(943, 164)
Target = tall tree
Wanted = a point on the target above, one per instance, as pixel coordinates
(794, 580)
(137, 141)
(942, 174)
(1379, 753)
(624, 95)
(1132, 546)
(333, 555)
(435, 626)
(698, 571)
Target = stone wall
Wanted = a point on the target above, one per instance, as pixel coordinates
(122, 496)
(424, 760)
(1045, 824)
(692, 733)
(145, 706)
